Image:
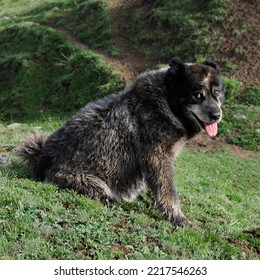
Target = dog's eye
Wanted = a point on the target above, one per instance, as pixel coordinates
(216, 93)
(198, 95)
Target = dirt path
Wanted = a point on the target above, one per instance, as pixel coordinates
(117, 64)
(128, 63)
(206, 144)
(134, 63)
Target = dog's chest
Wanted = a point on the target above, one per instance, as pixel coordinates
(178, 145)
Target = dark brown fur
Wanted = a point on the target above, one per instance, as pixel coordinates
(119, 145)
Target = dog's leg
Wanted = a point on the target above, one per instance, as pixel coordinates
(83, 183)
(162, 189)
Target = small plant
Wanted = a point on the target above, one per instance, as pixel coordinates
(239, 50)
(230, 66)
(252, 95)
(240, 123)
(232, 89)
(239, 31)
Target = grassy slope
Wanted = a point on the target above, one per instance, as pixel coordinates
(41, 71)
(89, 23)
(218, 192)
(245, 130)
(168, 28)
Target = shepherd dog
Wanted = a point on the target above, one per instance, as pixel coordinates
(120, 145)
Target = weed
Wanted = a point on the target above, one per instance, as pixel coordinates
(251, 96)
(230, 66)
(243, 130)
(238, 31)
(232, 89)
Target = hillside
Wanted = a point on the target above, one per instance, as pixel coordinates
(238, 49)
(132, 37)
(156, 30)
(57, 55)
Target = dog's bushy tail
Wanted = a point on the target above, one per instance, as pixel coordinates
(31, 149)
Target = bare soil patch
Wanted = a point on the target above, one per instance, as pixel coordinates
(206, 144)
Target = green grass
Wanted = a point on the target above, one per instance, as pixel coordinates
(243, 131)
(219, 193)
(87, 20)
(22, 10)
(176, 28)
(41, 71)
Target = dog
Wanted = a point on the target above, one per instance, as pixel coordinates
(119, 145)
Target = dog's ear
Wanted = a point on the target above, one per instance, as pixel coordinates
(177, 67)
(211, 63)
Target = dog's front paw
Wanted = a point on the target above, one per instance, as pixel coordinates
(183, 221)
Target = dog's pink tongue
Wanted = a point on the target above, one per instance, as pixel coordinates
(211, 129)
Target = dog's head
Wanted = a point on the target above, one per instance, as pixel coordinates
(195, 93)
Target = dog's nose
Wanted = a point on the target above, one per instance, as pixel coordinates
(215, 116)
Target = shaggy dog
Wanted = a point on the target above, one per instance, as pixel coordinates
(119, 145)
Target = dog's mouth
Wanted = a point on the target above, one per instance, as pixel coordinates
(210, 128)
